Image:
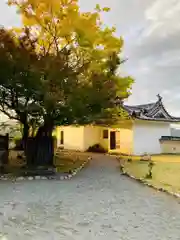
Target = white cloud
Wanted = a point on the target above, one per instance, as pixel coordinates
(161, 9)
(155, 55)
(163, 16)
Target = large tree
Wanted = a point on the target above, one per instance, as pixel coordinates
(78, 50)
(76, 74)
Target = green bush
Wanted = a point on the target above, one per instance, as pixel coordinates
(97, 148)
(149, 175)
(129, 159)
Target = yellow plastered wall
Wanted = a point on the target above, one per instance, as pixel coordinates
(124, 137)
(126, 140)
(170, 146)
(94, 135)
(73, 137)
(81, 137)
(104, 141)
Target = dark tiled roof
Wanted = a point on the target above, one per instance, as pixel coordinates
(139, 107)
(152, 111)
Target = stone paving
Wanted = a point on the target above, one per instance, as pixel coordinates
(97, 204)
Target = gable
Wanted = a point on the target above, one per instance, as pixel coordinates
(159, 113)
(152, 111)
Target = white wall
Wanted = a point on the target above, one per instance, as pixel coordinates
(146, 136)
(175, 132)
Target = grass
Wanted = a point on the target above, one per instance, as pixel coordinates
(165, 174)
(157, 158)
(15, 164)
(67, 161)
(64, 161)
(14, 161)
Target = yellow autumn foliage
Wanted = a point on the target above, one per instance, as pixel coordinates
(60, 23)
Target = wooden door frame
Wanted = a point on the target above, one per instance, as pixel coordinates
(114, 132)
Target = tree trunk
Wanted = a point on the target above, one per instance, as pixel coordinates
(40, 148)
(33, 131)
(25, 136)
(25, 130)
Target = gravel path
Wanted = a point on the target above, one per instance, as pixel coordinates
(98, 204)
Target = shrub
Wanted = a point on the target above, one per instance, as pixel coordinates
(121, 167)
(97, 148)
(150, 168)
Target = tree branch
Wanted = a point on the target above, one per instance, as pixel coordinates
(3, 110)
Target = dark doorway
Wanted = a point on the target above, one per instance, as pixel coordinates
(112, 140)
(62, 138)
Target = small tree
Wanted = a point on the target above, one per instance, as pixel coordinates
(149, 175)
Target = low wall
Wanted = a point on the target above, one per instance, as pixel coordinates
(170, 146)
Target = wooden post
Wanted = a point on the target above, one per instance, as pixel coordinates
(4, 148)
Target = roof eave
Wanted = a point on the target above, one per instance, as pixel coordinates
(159, 120)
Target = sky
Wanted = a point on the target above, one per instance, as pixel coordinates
(151, 30)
